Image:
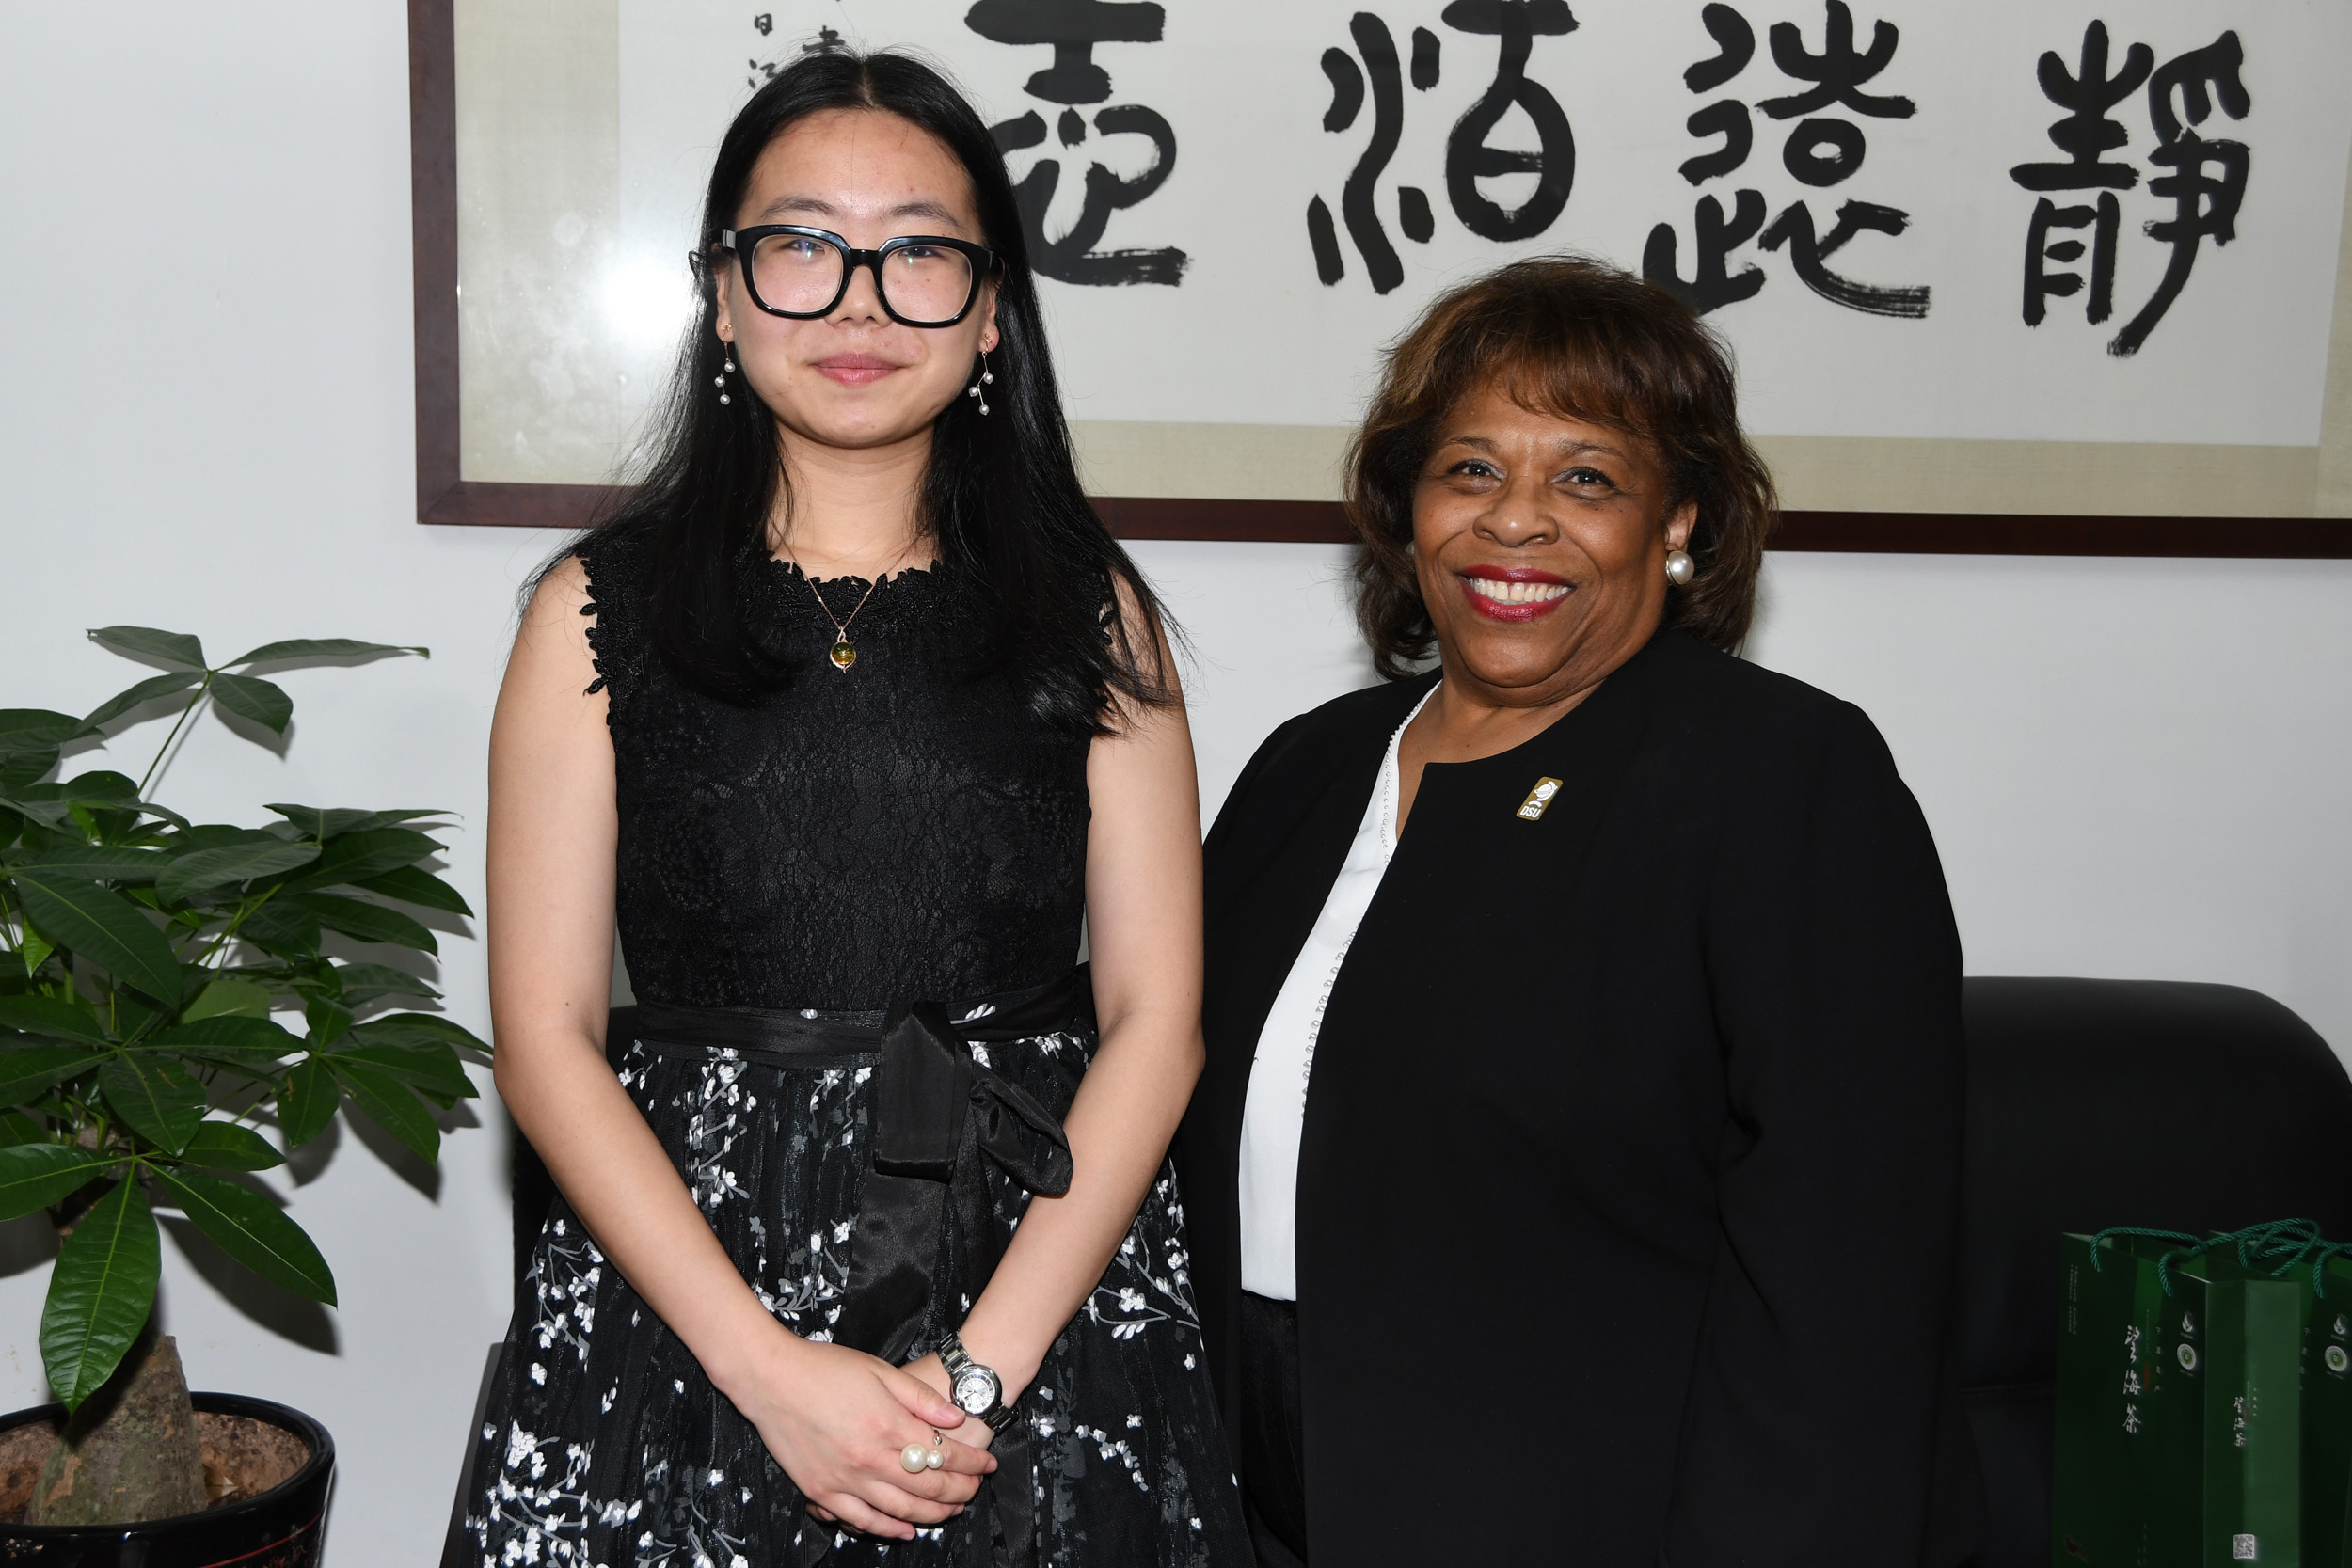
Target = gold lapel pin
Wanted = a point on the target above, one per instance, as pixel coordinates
(1532, 809)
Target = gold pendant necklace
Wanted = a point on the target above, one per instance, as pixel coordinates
(844, 652)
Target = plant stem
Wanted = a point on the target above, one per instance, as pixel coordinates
(202, 688)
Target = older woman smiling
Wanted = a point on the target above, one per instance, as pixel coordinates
(1574, 1174)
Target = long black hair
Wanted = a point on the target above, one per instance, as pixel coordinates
(1000, 495)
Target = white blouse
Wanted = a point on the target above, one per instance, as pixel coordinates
(1277, 1107)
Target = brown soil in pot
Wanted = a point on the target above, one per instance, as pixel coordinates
(242, 1458)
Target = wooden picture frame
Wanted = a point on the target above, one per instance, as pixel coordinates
(444, 496)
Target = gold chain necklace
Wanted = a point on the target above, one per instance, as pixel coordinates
(844, 651)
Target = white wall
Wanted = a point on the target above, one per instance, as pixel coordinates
(2134, 767)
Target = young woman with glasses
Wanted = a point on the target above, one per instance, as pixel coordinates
(850, 715)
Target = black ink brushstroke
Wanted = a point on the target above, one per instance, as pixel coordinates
(1711, 288)
(1735, 43)
(1794, 228)
(1329, 265)
(1413, 214)
(1729, 119)
(1359, 197)
(1424, 73)
(1073, 27)
(1802, 156)
(1347, 89)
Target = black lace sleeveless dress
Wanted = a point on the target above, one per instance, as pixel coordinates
(869, 837)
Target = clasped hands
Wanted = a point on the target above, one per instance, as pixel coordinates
(839, 1420)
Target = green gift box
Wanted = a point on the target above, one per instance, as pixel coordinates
(2180, 1440)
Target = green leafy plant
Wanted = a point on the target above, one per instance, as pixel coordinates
(149, 960)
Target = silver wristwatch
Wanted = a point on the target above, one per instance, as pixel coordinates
(975, 1389)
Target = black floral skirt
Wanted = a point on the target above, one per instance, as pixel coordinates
(604, 1443)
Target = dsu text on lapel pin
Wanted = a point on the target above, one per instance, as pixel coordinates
(1538, 799)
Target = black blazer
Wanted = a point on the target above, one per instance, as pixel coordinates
(1628, 1189)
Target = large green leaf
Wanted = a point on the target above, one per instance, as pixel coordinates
(433, 1070)
(159, 1102)
(102, 788)
(226, 1146)
(364, 983)
(411, 885)
(105, 928)
(355, 917)
(308, 1102)
(26, 1071)
(100, 1293)
(34, 1175)
(36, 729)
(323, 648)
(228, 1035)
(18, 1128)
(284, 927)
(353, 857)
(18, 769)
(148, 690)
(251, 1229)
(201, 869)
(163, 647)
(421, 1029)
(230, 997)
(106, 863)
(52, 1019)
(251, 697)
(331, 821)
(389, 1104)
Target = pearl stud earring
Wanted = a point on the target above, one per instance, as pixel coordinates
(1680, 569)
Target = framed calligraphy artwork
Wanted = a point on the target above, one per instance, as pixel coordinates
(2020, 276)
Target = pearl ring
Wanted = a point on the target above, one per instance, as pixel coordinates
(914, 1458)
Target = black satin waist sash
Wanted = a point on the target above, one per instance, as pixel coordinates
(936, 1113)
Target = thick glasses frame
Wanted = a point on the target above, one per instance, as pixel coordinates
(744, 242)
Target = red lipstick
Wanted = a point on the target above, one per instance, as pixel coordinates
(1524, 591)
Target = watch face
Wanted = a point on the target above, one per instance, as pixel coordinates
(975, 1390)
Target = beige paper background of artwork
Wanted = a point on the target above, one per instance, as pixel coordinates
(545, 395)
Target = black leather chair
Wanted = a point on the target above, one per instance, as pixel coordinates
(2103, 1102)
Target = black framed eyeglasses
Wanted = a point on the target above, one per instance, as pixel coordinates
(799, 272)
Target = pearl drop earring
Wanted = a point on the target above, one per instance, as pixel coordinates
(720, 381)
(985, 380)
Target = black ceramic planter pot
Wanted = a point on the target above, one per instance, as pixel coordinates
(283, 1528)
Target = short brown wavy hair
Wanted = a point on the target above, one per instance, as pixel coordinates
(1578, 338)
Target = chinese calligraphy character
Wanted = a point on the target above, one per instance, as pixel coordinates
(1073, 28)
(2205, 180)
(1818, 152)
(1470, 158)
(2083, 134)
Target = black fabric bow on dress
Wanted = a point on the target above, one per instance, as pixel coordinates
(926, 1222)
